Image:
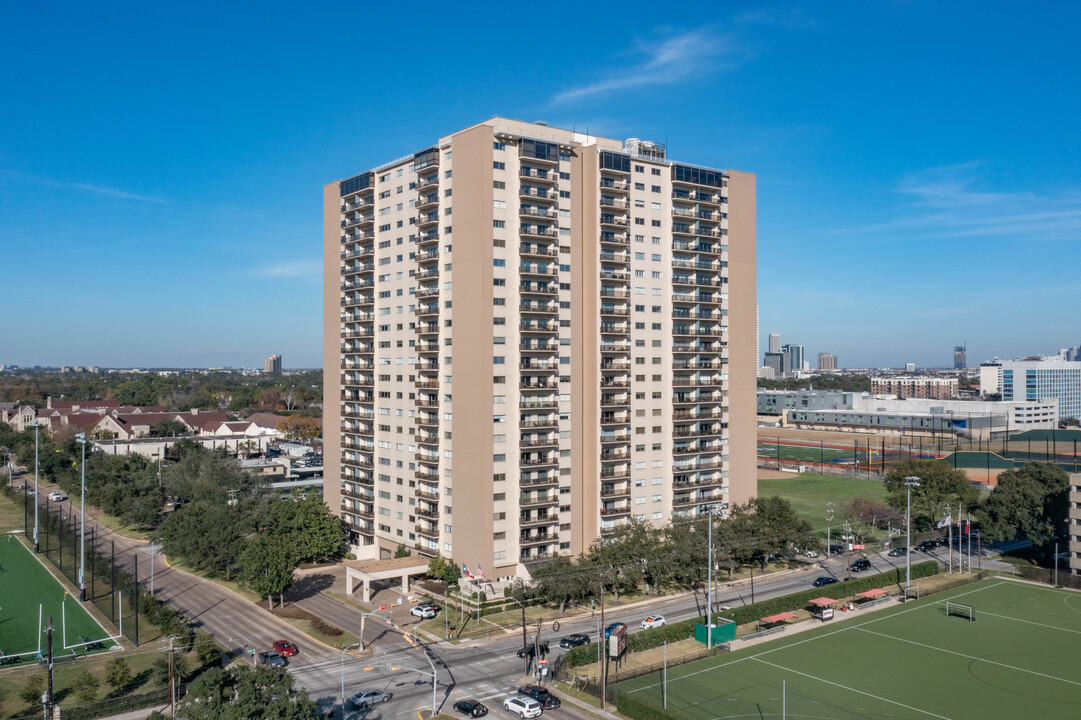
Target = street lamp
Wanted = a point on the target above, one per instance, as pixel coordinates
(721, 507)
(81, 439)
(353, 645)
(36, 425)
(910, 482)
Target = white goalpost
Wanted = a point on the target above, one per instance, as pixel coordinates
(960, 610)
(912, 593)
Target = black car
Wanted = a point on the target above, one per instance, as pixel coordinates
(837, 549)
(547, 700)
(572, 641)
(824, 580)
(927, 546)
(860, 565)
(523, 652)
(471, 708)
(898, 551)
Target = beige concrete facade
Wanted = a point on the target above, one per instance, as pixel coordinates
(595, 362)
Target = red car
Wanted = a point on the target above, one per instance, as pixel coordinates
(285, 648)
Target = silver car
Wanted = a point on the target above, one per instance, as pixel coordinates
(367, 698)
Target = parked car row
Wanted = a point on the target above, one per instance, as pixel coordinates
(530, 702)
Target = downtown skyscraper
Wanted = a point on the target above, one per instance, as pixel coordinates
(531, 336)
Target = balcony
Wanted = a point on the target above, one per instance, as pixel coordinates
(531, 364)
(535, 442)
(537, 231)
(427, 531)
(527, 306)
(548, 421)
(427, 219)
(530, 501)
(537, 288)
(538, 250)
(612, 238)
(538, 175)
(615, 185)
(544, 194)
(432, 236)
(428, 420)
(526, 520)
(539, 539)
(526, 268)
(429, 181)
(426, 310)
(609, 511)
(427, 201)
(537, 212)
(621, 438)
(614, 220)
(611, 491)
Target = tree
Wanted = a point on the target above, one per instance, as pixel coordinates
(436, 567)
(117, 673)
(775, 528)
(169, 428)
(32, 690)
(86, 687)
(267, 565)
(560, 581)
(159, 670)
(1068, 423)
(451, 573)
(246, 694)
(402, 551)
(1031, 502)
(940, 485)
(290, 398)
(300, 427)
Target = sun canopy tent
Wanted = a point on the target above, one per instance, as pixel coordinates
(871, 594)
(779, 617)
(823, 602)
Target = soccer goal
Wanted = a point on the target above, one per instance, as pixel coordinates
(912, 593)
(965, 611)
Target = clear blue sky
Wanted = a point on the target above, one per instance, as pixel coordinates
(161, 164)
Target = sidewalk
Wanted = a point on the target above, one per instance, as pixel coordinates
(138, 714)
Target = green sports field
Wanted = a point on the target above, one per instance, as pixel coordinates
(24, 585)
(1020, 659)
(801, 452)
(809, 493)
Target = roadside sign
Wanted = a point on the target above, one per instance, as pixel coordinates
(858, 546)
(251, 651)
(382, 607)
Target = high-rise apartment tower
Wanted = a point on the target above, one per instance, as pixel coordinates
(827, 361)
(273, 365)
(533, 335)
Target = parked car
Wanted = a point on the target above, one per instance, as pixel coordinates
(824, 580)
(285, 648)
(425, 610)
(547, 700)
(836, 549)
(860, 565)
(523, 707)
(272, 659)
(927, 546)
(941, 540)
(367, 698)
(471, 708)
(898, 552)
(608, 630)
(529, 650)
(57, 496)
(653, 621)
(572, 641)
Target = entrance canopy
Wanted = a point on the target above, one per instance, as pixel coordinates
(359, 572)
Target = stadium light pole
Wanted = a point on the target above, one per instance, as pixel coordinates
(910, 482)
(829, 523)
(36, 425)
(81, 439)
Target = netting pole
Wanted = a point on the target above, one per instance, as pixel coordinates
(135, 592)
(112, 582)
(93, 557)
(60, 550)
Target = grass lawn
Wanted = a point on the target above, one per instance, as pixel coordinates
(11, 514)
(809, 494)
(1021, 659)
(24, 586)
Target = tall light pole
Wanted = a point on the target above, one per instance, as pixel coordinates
(81, 439)
(910, 482)
(36, 425)
(829, 522)
(709, 570)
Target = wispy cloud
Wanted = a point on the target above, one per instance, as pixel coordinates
(303, 269)
(86, 187)
(953, 202)
(673, 60)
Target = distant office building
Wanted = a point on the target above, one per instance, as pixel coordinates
(273, 365)
(766, 373)
(1036, 378)
(910, 367)
(826, 361)
(774, 343)
(959, 361)
(915, 387)
(793, 358)
(775, 361)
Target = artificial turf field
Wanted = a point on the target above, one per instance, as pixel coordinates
(24, 585)
(802, 452)
(1020, 659)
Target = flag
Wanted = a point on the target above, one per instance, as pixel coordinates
(480, 572)
(465, 571)
(967, 522)
(945, 522)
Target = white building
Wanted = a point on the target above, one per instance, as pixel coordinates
(1036, 378)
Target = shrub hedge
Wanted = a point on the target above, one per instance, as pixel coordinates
(837, 591)
(655, 637)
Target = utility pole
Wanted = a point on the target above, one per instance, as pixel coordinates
(172, 681)
(81, 439)
(525, 643)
